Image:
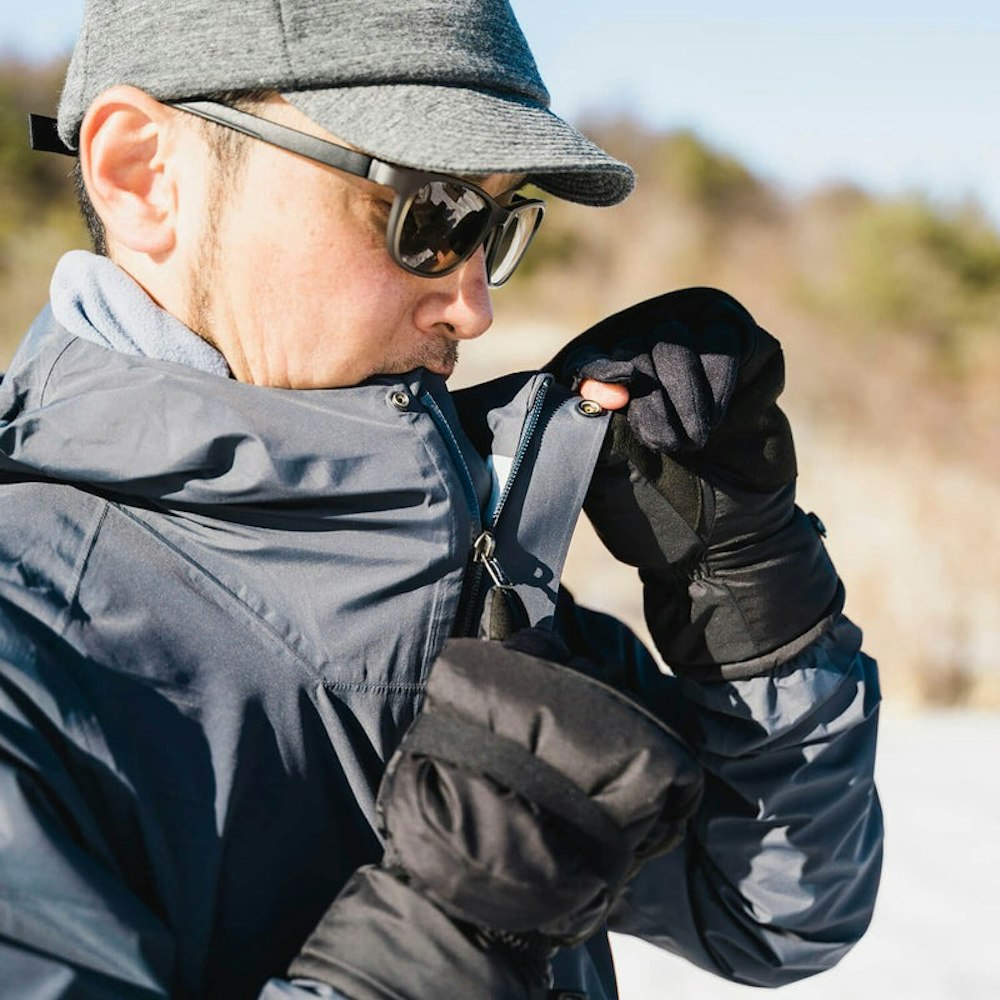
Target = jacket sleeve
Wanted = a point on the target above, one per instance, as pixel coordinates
(777, 877)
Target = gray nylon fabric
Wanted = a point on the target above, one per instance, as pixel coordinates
(447, 85)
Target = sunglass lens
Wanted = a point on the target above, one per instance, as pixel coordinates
(444, 223)
(507, 246)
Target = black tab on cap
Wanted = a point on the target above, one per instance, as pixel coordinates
(43, 135)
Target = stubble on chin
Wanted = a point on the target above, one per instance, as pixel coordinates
(440, 357)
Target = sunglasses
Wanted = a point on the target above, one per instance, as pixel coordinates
(436, 222)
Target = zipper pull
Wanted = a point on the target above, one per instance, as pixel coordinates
(484, 551)
(504, 612)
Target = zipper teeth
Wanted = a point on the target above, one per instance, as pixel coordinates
(534, 415)
(476, 584)
(522, 447)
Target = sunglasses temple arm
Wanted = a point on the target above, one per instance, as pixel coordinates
(43, 136)
(290, 139)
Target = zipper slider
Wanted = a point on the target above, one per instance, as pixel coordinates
(504, 612)
(484, 552)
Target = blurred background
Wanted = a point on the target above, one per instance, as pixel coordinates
(839, 172)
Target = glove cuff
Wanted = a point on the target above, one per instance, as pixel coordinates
(758, 666)
(757, 599)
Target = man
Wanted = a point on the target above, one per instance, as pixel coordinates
(242, 516)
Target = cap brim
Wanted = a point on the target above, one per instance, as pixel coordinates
(457, 130)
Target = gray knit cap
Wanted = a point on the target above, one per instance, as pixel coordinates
(447, 85)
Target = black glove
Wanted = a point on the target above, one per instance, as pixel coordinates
(509, 829)
(696, 486)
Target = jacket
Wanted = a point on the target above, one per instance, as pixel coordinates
(218, 604)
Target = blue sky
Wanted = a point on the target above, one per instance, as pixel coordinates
(897, 96)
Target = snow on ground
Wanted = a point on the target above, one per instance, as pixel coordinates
(936, 931)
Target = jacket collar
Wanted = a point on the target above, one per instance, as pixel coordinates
(76, 412)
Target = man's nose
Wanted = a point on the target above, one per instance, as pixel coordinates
(460, 300)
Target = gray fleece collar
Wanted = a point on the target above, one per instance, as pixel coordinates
(97, 301)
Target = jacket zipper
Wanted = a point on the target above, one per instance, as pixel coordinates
(483, 555)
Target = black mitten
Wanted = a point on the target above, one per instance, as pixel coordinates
(696, 486)
(509, 829)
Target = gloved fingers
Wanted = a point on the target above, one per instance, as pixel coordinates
(654, 421)
(506, 693)
(688, 390)
(602, 369)
(678, 393)
(721, 373)
(671, 407)
(721, 324)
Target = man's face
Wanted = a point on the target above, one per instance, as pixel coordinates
(292, 282)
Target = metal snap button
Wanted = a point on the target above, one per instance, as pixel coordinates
(589, 408)
(400, 400)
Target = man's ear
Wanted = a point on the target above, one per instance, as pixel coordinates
(124, 145)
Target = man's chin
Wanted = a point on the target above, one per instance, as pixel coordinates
(441, 363)
(444, 369)
(445, 362)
